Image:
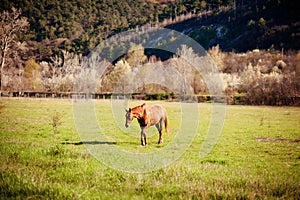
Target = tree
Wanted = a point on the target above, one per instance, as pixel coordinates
(32, 76)
(217, 56)
(11, 24)
(115, 81)
(136, 55)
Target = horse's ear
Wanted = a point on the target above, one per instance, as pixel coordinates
(143, 105)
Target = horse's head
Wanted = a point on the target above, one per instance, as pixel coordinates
(129, 117)
(131, 113)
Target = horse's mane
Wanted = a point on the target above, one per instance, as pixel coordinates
(138, 111)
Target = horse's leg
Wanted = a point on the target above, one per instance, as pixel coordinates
(143, 136)
(159, 128)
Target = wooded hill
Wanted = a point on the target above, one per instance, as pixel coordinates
(78, 26)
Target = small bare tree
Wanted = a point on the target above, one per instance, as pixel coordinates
(11, 24)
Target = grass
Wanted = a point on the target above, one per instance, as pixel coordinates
(257, 155)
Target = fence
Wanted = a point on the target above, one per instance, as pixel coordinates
(236, 99)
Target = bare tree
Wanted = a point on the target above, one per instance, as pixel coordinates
(11, 24)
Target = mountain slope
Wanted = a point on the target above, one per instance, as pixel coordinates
(267, 24)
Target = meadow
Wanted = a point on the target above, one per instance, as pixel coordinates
(42, 156)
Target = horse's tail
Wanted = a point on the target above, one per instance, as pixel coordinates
(167, 124)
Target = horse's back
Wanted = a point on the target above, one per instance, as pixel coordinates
(158, 108)
(157, 111)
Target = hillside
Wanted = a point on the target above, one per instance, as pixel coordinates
(247, 26)
(78, 26)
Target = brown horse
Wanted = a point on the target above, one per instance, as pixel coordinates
(148, 116)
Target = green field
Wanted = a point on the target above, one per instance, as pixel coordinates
(42, 156)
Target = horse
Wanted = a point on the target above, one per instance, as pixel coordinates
(148, 116)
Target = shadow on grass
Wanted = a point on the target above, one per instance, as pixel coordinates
(123, 143)
(89, 142)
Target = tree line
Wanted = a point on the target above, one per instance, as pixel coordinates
(267, 77)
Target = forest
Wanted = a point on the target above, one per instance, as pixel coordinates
(254, 45)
